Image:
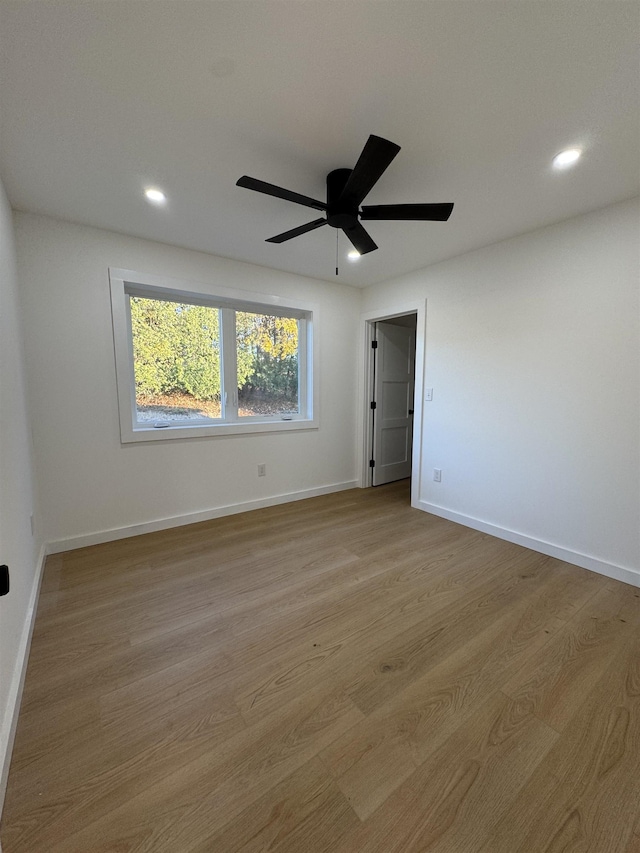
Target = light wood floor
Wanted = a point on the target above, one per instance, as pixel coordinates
(340, 675)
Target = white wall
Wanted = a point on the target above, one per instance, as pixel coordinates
(18, 548)
(533, 351)
(89, 482)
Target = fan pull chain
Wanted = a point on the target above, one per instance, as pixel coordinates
(337, 234)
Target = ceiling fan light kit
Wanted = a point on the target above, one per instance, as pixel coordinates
(346, 190)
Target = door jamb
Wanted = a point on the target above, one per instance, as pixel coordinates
(365, 438)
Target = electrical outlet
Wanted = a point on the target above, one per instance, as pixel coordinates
(437, 475)
(262, 470)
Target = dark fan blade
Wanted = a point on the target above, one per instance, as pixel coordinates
(360, 239)
(376, 156)
(296, 232)
(434, 212)
(279, 192)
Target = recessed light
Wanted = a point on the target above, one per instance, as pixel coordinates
(567, 158)
(354, 255)
(155, 196)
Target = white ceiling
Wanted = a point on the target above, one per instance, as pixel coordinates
(100, 99)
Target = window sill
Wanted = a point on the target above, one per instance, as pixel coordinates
(208, 430)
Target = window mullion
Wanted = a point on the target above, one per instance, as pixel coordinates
(229, 364)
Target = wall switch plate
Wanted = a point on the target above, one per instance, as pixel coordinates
(428, 395)
(262, 470)
(437, 475)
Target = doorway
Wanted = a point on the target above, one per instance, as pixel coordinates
(391, 398)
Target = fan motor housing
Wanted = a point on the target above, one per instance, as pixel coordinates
(337, 215)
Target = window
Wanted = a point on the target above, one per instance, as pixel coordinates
(191, 363)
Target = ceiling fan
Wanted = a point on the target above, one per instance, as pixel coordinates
(346, 189)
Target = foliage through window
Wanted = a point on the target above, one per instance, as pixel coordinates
(267, 352)
(198, 360)
(176, 359)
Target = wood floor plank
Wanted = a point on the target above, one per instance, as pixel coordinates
(634, 844)
(585, 796)
(340, 675)
(328, 634)
(460, 792)
(216, 787)
(558, 679)
(305, 812)
(371, 762)
(337, 634)
(115, 702)
(147, 745)
(95, 670)
(392, 666)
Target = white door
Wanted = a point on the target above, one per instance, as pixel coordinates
(394, 374)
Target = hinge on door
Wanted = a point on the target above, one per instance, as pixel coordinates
(374, 344)
(372, 463)
(4, 580)
(373, 405)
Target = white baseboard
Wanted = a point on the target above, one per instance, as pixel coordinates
(191, 518)
(593, 564)
(10, 722)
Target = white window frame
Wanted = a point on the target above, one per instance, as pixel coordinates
(125, 283)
